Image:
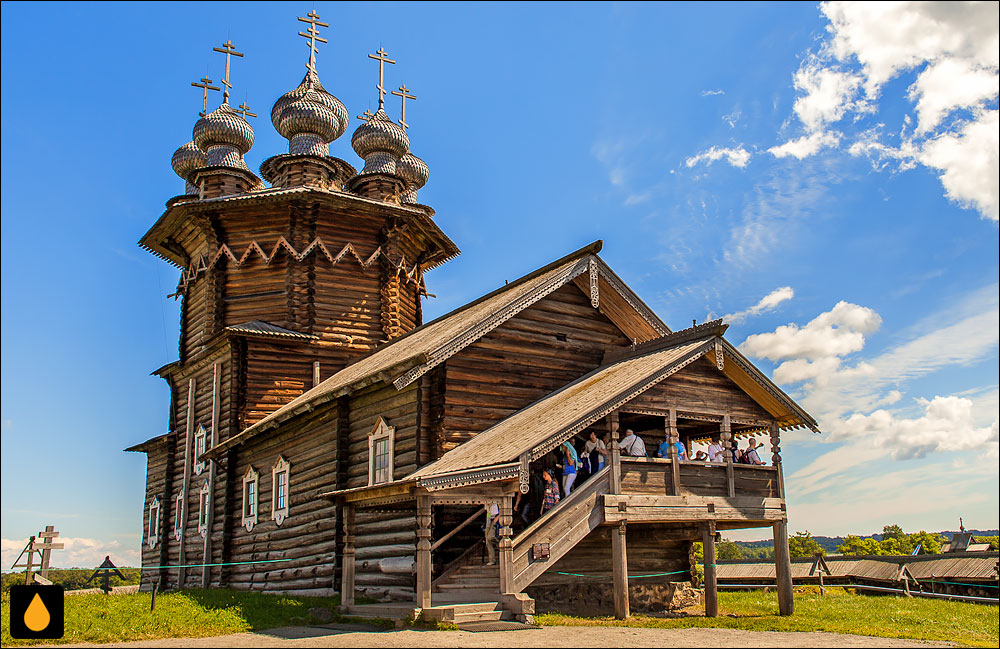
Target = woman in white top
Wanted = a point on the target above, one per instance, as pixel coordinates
(715, 451)
(597, 451)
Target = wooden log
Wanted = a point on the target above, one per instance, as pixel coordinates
(619, 564)
(423, 561)
(711, 584)
(783, 569)
(347, 560)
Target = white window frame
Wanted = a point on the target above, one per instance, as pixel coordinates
(279, 514)
(200, 446)
(179, 516)
(153, 526)
(381, 431)
(250, 507)
(204, 502)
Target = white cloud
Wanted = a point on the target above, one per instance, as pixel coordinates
(834, 333)
(969, 164)
(78, 553)
(828, 94)
(805, 146)
(709, 93)
(767, 303)
(950, 84)
(738, 156)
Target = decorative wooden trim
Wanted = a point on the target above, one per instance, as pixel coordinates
(719, 359)
(381, 430)
(153, 524)
(524, 475)
(609, 406)
(204, 504)
(200, 446)
(595, 291)
(178, 517)
(279, 514)
(472, 476)
(633, 300)
(251, 498)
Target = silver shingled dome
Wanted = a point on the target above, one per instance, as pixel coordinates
(381, 142)
(414, 172)
(309, 117)
(224, 136)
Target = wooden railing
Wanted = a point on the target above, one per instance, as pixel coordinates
(654, 476)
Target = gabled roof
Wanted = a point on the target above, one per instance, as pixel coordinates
(404, 359)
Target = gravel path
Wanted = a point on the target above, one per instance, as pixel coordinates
(553, 636)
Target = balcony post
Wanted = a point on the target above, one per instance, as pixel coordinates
(711, 584)
(423, 551)
(616, 454)
(776, 457)
(672, 439)
(506, 545)
(726, 436)
(783, 569)
(619, 571)
(347, 559)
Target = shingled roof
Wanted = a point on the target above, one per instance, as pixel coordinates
(405, 359)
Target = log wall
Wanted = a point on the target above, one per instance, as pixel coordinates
(157, 457)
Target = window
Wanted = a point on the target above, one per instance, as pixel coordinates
(380, 452)
(279, 490)
(178, 516)
(249, 499)
(153, 527)
(204, 502)
(200, 442)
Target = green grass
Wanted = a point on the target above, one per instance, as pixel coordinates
(974, 625)
(190, 613)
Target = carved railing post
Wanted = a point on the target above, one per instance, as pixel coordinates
(776, 457)
(423, 551)
(672, 439)
(616, 457)
(726, 436)
(347, 560)
(506, 545)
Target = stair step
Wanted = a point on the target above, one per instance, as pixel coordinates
(484, 616)
(478, 585)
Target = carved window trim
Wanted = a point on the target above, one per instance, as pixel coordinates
(381, 443)
(153, 526)
(179, 516)
(200, 446)
(281, 474)
(204, 502)
(251, 497)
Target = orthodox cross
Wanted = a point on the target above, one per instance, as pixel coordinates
(313, 35)
(404, 93)
(382, 60)
(229, 50)
(365, 116)
(206, 85)
(245, 110)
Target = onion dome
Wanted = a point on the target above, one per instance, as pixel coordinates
(414, 173)
(185, 160)
(309, 117)
(381, 142)
(224, 135)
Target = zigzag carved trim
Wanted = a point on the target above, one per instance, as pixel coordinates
(255, 252)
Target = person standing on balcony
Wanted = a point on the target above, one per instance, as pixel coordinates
(551, 497)
(570, 467)
(632, 444)
(597, 450)
(664, 450)
(715, 451)
(750, 455)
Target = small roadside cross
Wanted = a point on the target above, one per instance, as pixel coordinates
(229, 50)
(382, 58)
(404, 93)
(206, 85)
(313, 35)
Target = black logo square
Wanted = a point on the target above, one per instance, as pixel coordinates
(36, 612)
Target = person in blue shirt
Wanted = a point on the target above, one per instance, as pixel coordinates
(570, 467)
(664, 450)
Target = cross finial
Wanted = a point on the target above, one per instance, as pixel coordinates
(206, 85)
(245, 111)
(382, 59)
(365, 116)
(404, 93)
(313, 35)
(229, 50)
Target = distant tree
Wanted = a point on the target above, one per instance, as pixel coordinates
(855, 546)
(699, 552)
(729, 551)
(895, 546)
(992, 540)
(929, 543)
(804, 545)
(893, 532)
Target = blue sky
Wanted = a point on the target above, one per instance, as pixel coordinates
(826, 183)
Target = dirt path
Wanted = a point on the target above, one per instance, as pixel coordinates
(553, 636)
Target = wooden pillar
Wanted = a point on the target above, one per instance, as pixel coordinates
(619, 571)
(347, 559)
(672, 439)
(711, 583)
(423, 551)
(616, 454)
(186, 482)
(206, 571)
(506, 545)
(783, 569)
(776, 457)
(726, 435)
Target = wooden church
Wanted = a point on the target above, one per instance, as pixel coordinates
(323, 439)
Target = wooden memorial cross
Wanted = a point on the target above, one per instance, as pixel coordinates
(382, 59)
(404, 93)
(206, 85)
(44, 547)
(229, 50)
(312, 34)
(105, 570)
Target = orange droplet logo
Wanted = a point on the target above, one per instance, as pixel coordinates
(36, 617)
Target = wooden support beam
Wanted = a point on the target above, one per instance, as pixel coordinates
(506, 546)
(206, 571)
(458, 528)
(783, 569)
(776, 456)
(347, 559)
(423, 551)
(616, 454)
(711, 584)
(186, 480)
(672, 439)
(726, 435)
(619, 571)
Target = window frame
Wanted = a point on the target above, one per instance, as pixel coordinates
(249, 509)
(200, 446)
(381, 431)
(204, 502)
(153, 525)
(280, 513)
(179, 516)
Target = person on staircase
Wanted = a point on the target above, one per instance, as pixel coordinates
(571, 465)
(551, 497)
(492, 532)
